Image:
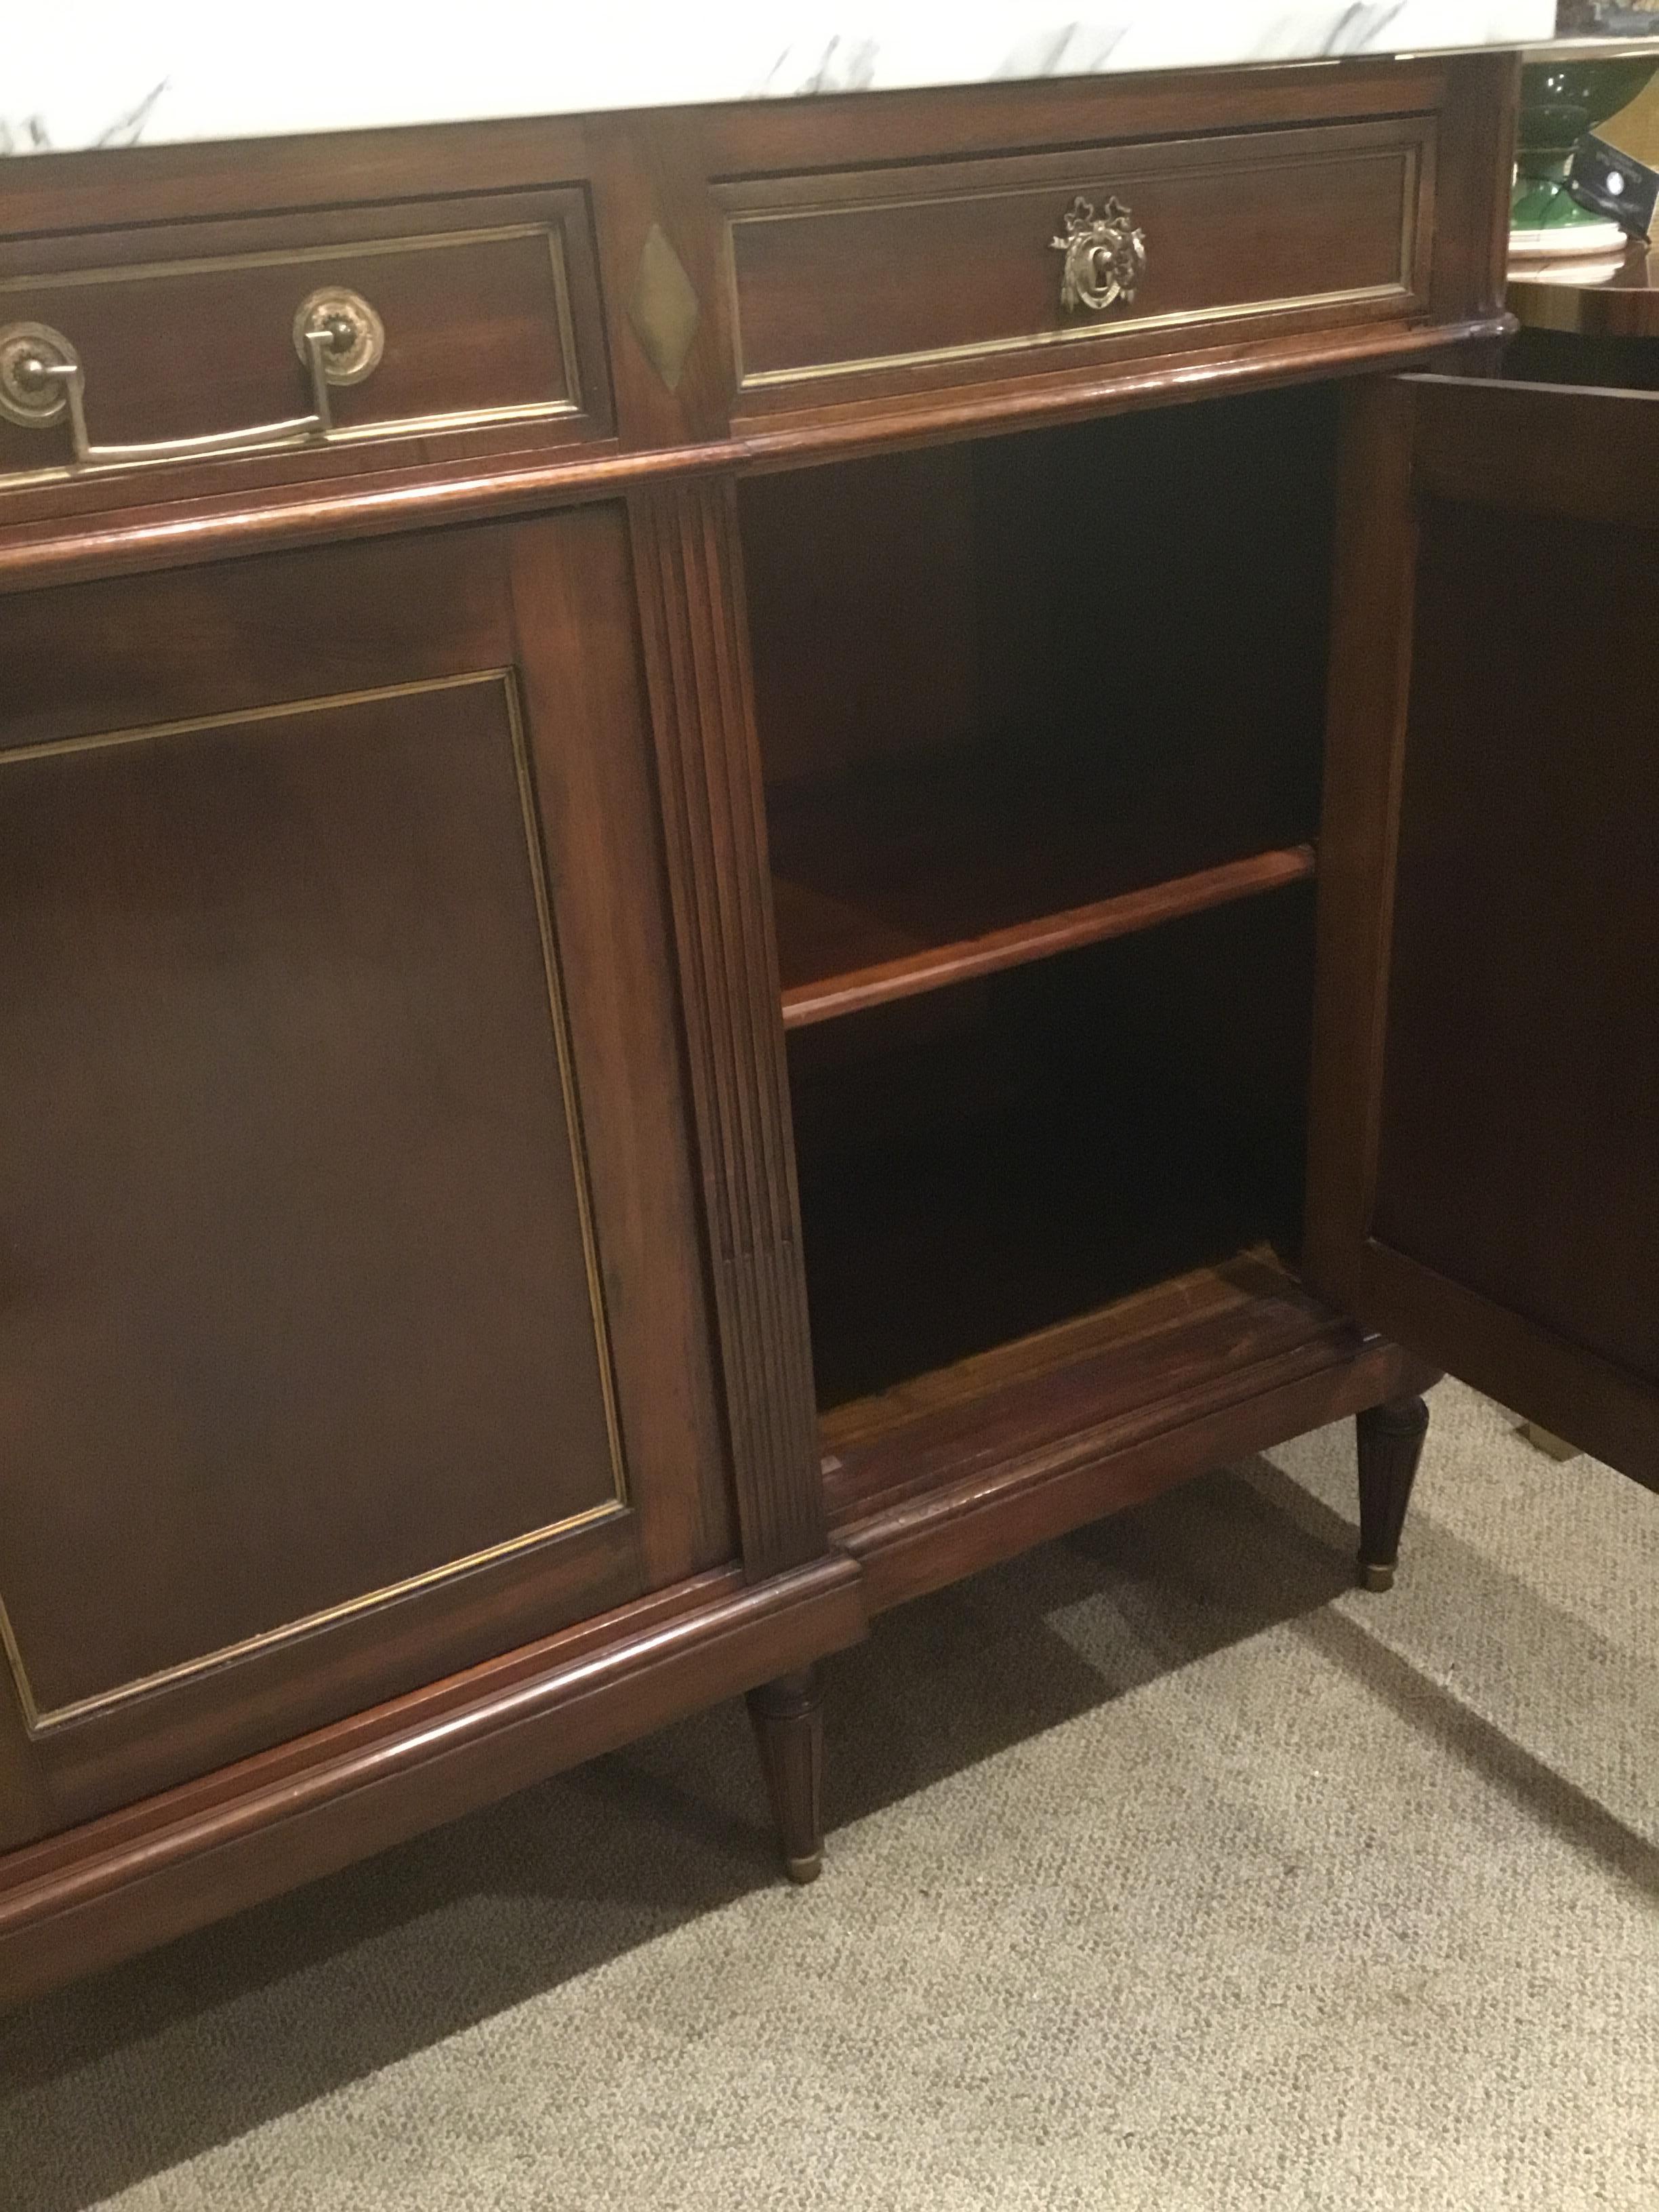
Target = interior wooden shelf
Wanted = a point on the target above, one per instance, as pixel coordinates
(913, 877)
(809, 919)
(1095, 1383)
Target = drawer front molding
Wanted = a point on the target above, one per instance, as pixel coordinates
(891, 275)
(483, 329)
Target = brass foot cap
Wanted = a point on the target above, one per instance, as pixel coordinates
(1373, 1578)
(805, 1870)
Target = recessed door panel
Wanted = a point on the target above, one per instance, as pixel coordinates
(351, 1321)
(288, 1168)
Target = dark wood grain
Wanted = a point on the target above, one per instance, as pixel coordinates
(998, 1158)
(938, 1479)
(823, 945)
(70, 191)
(37, 552)
(235, 1227)
(1149, 592)
(1391, 1439)
(651, 173)
(977, 753)
(1620, 301)
(25, 1805)
(1469, 100)
(635, 171)
(1533, 449)
(1475, 172)
(184, 331)
(789, 1721)
(299, 1308)
(1371, 615)
(854, 279)
(688, 561)
(1484, 1182)
(149, 1873)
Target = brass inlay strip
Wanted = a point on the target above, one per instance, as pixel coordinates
(37, 1720)
(1407, 155)
(39, 1723)
(402, 425)
(274, 257)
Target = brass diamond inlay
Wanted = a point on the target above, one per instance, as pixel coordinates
(663, 309)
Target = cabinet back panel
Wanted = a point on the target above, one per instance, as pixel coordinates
(1001, 1156)
(289, 1180)
(1151, 587)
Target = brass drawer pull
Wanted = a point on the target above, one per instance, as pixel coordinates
(1105, 257)
(337, 334)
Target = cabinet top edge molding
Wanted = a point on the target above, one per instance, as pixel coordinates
(176, 72)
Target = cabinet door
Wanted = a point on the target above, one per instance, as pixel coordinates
(1484, 1172)
(352, 1324)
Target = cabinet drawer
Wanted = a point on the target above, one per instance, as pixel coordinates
(476, 315)
(954, 269)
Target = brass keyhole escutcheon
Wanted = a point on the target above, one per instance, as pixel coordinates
(1105, 257)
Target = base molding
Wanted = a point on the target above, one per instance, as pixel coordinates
(92, 1895)
(929, 1484)
(934, 1481)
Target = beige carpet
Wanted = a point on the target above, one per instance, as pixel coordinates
(1165, 1873)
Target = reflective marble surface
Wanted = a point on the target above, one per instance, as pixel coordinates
(124, 72)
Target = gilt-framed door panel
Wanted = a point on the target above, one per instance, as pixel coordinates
(1484, 1178)
(353, 1322)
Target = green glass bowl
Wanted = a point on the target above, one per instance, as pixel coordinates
(1561, 100)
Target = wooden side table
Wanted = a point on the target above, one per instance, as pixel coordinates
(1588, 322)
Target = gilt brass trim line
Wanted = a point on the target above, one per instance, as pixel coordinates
(140, 733)
(39, 1720)
(274, 257)
(401, 426)
(1186, 317)
(562, 308)
(558, 1014)
(41, 1723)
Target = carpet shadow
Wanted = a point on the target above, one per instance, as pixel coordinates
(1028, 1646)
(125, 2076)
(1364, 1644)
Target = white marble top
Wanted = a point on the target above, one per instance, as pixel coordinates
(122, 72)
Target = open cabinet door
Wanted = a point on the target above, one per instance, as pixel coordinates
(1484, 1178)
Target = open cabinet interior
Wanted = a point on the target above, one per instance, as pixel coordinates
(1042, 720)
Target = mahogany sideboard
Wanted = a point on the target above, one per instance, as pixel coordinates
(748, 854)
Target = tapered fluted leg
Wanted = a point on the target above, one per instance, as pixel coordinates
(788, 1718)
(1390, 1445)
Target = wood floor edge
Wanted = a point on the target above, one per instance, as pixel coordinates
(117, 1887)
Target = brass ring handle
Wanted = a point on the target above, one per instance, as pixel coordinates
(337, 334)
(1105, 257)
